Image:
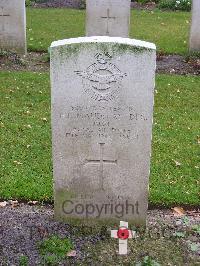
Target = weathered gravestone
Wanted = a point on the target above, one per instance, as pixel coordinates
(195, 27)
(13, 25)
(102, 106)
(107, 18)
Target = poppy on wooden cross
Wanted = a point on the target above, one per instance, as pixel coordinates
(123, 234)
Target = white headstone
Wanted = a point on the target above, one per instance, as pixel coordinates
(195, 26)
(13, 25)
(108, 18)
(102, 107)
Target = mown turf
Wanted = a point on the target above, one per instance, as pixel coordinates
(176, 161)
(168, 30)
(25, 158)
(26, 171)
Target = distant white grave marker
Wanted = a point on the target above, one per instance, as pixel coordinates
(13, 25)
(108, 18)
(195, 26)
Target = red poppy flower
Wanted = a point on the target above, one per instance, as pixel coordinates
(123, 233)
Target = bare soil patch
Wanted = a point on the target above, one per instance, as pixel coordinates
(39, 62)
(177, 64)
(59, 3)
(35, 62)
(80, 4)
(148, 6)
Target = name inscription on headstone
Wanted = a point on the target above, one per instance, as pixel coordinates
(100, 124)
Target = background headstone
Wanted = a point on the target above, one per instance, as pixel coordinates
(108, 18)
(102, 107)
(195, 26)
(13, 25)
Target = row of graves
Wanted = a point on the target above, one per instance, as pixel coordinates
(104, 18)
(102, 109)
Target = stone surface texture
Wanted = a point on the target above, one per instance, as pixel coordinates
(195, 26)
(102, 106)
(13, 25)
(108, 18)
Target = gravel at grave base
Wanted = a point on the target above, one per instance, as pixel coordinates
(23, 226)
(39, 62)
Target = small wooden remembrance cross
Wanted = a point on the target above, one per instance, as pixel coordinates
(123, 234)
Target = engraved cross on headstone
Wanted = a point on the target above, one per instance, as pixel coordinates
(108, 17)
(2, 15)
(101, 161)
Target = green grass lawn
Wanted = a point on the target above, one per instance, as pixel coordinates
(26, 168)
(168, 30)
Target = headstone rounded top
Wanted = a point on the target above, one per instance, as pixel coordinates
(105, 39)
